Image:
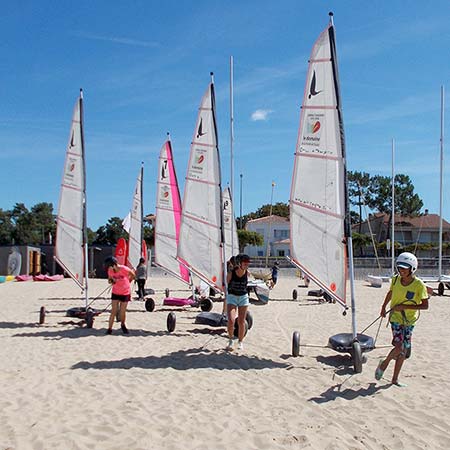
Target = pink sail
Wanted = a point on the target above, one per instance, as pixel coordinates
(168, 216)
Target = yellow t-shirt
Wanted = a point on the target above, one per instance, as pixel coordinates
(413, 294)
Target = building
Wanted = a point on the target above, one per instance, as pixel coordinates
(275, 231)
(421, 232)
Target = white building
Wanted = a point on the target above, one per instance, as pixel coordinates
(276, 233)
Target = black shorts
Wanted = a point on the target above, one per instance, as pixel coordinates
(121, 298)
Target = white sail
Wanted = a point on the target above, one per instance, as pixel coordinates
(71, 221)
(318, 192)
(136, 218)
(168, 215)
(229, 226)
(201, 235)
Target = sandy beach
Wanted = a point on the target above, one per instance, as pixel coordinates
(68, 387)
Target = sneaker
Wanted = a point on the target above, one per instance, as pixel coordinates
(230, 345)
(379, 372)
(109, 331)
(124, 329)
(240, 345)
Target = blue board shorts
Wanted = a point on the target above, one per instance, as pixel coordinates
(402, 334)
(238, 300)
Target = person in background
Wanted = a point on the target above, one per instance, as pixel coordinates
(407, 295)
(120, 277)
(141, 277)
(274, 274)
(237, 299)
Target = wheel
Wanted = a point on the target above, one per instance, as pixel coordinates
(295, 343)
(249, 319)
(206, 305)
(236, 328)
(357, 357)
(171, 322)
(167, 292)
(42, 315)
(89, 318)
(327, 297)
(294, 294)
(149, 304)
(441, 288)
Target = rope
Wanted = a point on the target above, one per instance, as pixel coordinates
(101, 293)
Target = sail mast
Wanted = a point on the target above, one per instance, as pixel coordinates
(142, 210)
(393, 210)
(441, 186)
(85, 238)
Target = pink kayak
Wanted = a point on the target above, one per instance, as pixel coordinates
(48, 277)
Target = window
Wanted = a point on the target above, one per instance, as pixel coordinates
(260, 253)
(281, 253)
(281, 234)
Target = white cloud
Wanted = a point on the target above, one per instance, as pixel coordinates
(261, 114)
(116, 40)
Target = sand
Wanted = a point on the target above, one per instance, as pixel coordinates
(68, 387)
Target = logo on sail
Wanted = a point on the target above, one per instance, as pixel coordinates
(200, 131)
(312, 87)
(164, 170)
(165, 194)
(200, 159)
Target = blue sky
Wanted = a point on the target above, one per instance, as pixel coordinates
(144, 65)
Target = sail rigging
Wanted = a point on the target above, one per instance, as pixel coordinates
(71, 228)
(200, 246)
(320, 230)
(168, 215)
(136, 222)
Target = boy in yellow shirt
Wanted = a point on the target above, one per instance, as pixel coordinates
(407, 295)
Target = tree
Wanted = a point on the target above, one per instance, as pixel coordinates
(6, 227)
(249, 238)
(360, 241)
(358, 184)
(110, 233)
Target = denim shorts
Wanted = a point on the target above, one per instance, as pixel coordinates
(238, 300)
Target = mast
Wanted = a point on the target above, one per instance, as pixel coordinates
(142, 210)
(347, 224)
(393, 210)
(441, 186)
(85, 238)
(231, 145)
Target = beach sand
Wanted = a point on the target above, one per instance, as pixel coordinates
(68, 387)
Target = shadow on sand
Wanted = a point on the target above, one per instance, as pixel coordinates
(194, 358)
(335, 392)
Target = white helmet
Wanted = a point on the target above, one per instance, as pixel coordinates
(407, 260)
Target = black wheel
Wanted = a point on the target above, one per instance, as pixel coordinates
(149, 304)
(167, 292)
(295, 343)
(249, 319)
(357, 357)
(441, 288)
(236, 328)
(89, 318)
(206, 304)
(327, 297)
(294, 294)
(42, 315)
(171, 322)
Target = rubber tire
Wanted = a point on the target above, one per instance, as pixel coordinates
(42, 315)
(89, 318)
(440, 289)
(236, 329)
(206, 304)
(295, 343)
(294, 294)
(149, 304)
(166, 293)
(171, 322)
(249, 319)
(327, 297)
(357, 357)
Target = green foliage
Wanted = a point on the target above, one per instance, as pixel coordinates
(249, 238)
(278, 209)
(110, 233)
(6, 227)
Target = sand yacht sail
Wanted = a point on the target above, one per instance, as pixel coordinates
(71, 247)
(229, 226)
(319, 207)
(200, 246)
(135, 232)
(168, 216)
